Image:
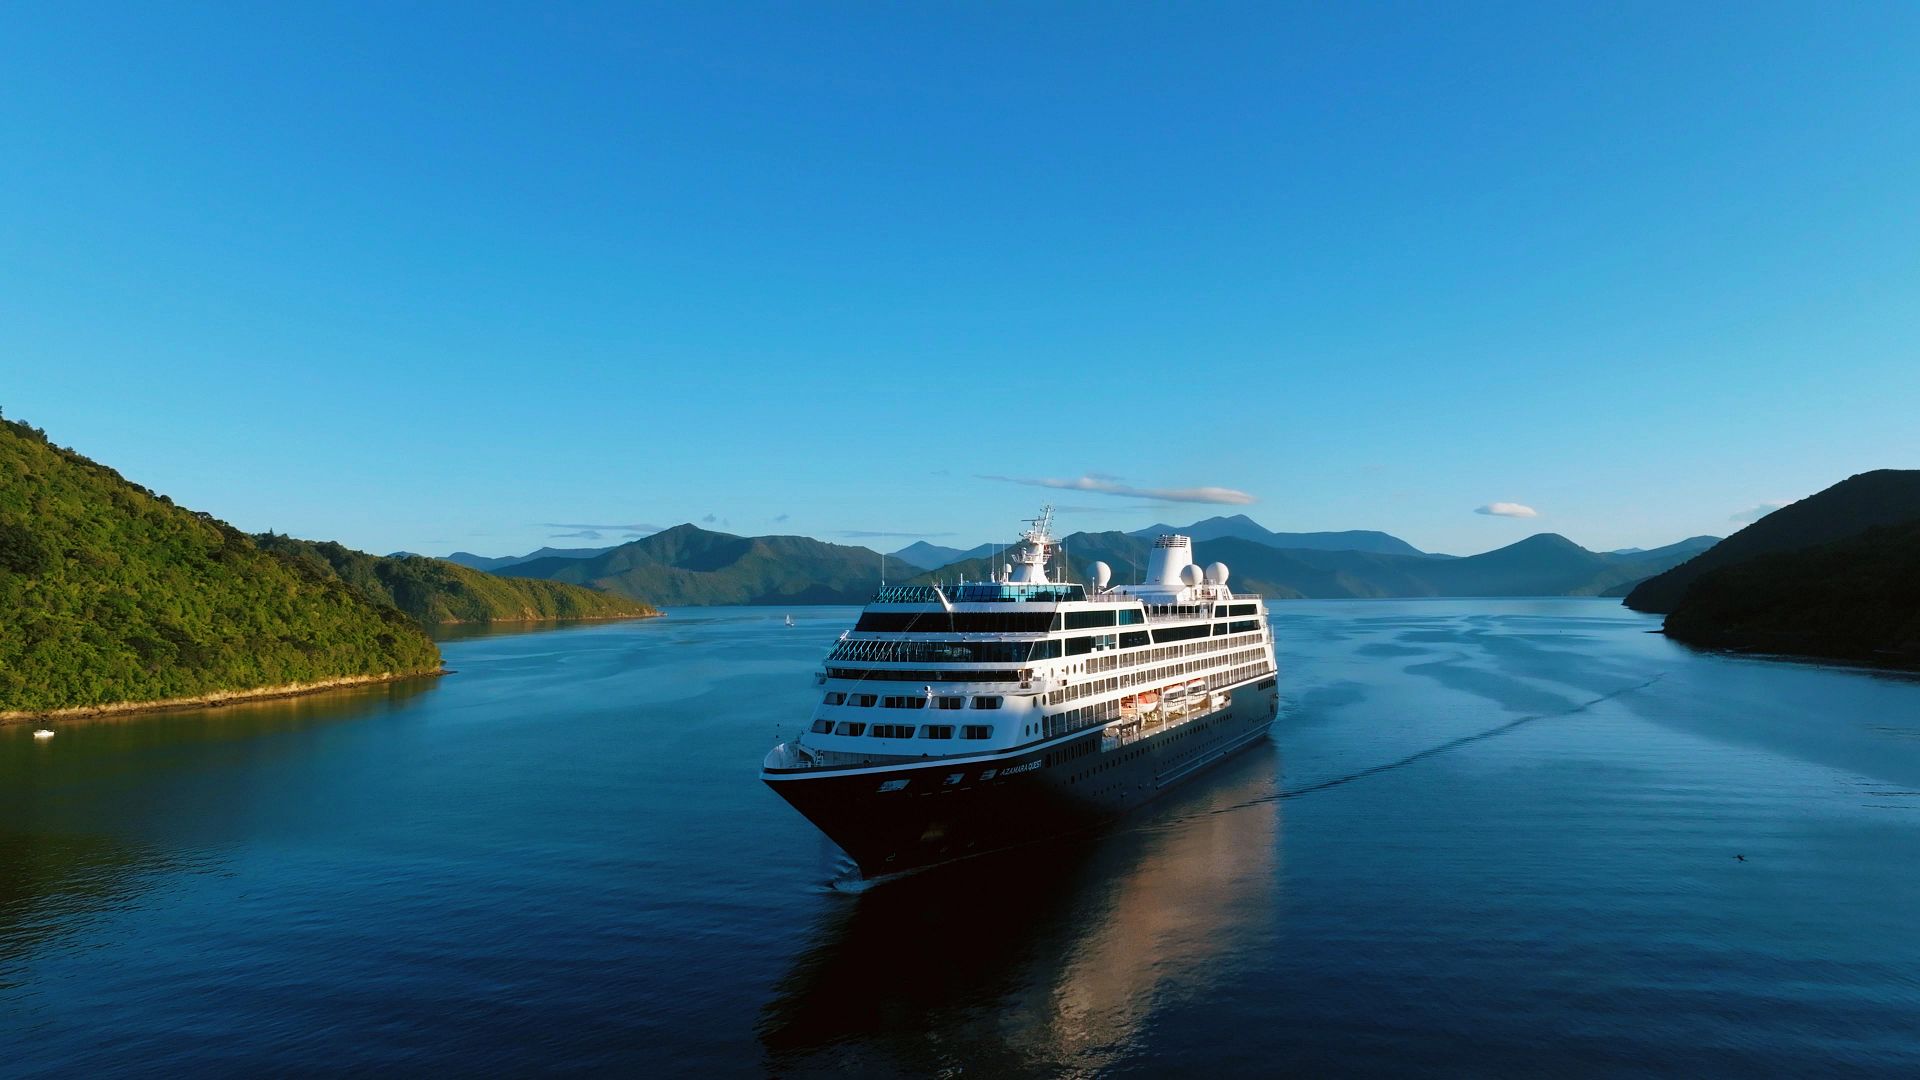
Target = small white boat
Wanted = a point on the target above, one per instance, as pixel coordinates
(789, 620)
(43, 733)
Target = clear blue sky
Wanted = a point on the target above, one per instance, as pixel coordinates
(443, 277)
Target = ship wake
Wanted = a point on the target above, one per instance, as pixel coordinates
(1443, 748)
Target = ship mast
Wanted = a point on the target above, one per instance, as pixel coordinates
(1030, 565)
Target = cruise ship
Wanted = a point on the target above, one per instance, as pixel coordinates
(960, 719)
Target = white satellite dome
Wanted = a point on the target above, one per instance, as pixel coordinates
(1190, 574)
(1217, 573)
(1101, 574)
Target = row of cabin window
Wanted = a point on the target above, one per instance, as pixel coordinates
(886, 651)
(1114, 662)
(1022, 652)
(922, 675)
(1222, 611)
(911, 701)
(1093, 664)
(901, 731)
(958, 622)
(1145, 676)
(1219, 629)
(995, 622)
(1087, 620)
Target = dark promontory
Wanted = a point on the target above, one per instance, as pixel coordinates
(1858, 503)
(1857, 599)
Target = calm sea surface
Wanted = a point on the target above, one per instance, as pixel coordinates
(1487, 836)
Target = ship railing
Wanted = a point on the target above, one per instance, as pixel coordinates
(1211, 596)
(989, 592)
(1052, 592)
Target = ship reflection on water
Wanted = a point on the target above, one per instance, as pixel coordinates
(1046, 959)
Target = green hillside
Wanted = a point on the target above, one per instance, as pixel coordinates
(691, 566)
(1882, 497)
(1856, 599)
(110, 593)
(434, 591)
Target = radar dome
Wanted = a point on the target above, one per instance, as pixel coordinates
(1190, 574)
(1101, 573)
(1217, 573)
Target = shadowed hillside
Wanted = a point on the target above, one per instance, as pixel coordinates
(1855, 599)
(1882, 497)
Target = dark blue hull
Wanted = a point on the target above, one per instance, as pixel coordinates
(902, 817)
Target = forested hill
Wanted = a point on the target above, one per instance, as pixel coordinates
(1855, 599)
(436, 591)
(693, 566)
(111, 594)
(1858, 503)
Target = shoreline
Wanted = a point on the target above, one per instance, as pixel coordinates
(547, 618)
(1903, 664)
(216, 698)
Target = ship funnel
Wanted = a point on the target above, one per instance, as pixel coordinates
(1171, 554)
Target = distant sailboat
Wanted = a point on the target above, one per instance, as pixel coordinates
(789, 620)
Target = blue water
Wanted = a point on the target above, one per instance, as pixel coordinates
(1487, 837)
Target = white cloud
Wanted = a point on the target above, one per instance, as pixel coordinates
(1507, 509)
(1102, 484)
(632, 526)
(1758, 512)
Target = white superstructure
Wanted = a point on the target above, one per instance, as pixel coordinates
(975, 668)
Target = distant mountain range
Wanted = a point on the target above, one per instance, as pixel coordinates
(1542, 565)
(483, 562)
(688, 565)
(933, 556)
(925, 556)
(1242, 527)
